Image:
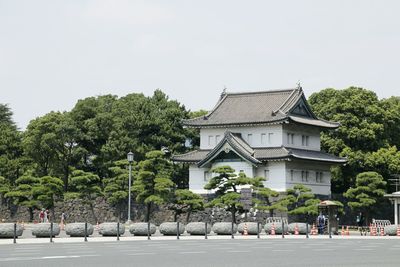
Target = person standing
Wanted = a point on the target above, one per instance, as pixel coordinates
(41, 216)
(321, 223)
(45, 217)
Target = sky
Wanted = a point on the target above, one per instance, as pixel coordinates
(54, 52)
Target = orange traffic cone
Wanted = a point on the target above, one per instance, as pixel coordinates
(273, 229)
(382, 231)
(347, 230)
(398, 230)
(342, 233)
(97, 226)
(313, 230)
(245, 229)
(296, 229)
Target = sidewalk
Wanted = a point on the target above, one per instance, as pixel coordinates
(186, 237)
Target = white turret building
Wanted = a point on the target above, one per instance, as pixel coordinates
(273, 134)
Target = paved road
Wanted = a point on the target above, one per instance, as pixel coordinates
(174, 253)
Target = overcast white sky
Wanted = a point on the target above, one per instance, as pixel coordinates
(53, 53)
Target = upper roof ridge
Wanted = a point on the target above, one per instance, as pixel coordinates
(259, 92)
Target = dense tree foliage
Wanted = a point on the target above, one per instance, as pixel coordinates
(226, 185)
(368, 135)
(301, 201)
(185, 201)
(368, 190)
(153, 185)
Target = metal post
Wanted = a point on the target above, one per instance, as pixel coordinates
(232, 232)
(51, 232)
(329, 228)
(283, 228)
(148, 230)
(258, 230)
(129, 192)
(15, 233)
(177, 230)
(85, 231)
(117, 231)
(307, 230)
(205, 232)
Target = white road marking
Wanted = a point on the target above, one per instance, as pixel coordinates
(323, 249)
(238, 251)
(192, 252)
(282, 250)
(46, 257)
(363, 249)
(141, 254)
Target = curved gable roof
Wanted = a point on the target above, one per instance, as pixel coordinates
(237, 144)
(255, 108)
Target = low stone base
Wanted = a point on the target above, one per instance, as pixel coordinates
(141, 229)
(111, 228)
(78, 229)
(251, 228)
(301, 226)
(198, 228)
(224, 228)
(7, 230)
(278, 228)
(170, 228)
(43, 230)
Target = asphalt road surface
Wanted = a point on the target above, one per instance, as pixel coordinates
(166, 253)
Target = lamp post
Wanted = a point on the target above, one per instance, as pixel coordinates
(130, 160)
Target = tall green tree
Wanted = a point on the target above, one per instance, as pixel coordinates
(268, 199)
(368, 190)
(226, 184)
(85, 187)
(116, 186)
(368, 126)
(23, 193)
(11, 153)
(51, 142)
(185, 201)
(48, 191)
(301, 201)
(153, 185)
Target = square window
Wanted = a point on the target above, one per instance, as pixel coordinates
(263, 138)
(266, 175)
(270, 138)
(210, 140)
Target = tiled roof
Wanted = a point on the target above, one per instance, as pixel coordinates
(319, 122)
(269, 153)
(253, 108)
(314, 155)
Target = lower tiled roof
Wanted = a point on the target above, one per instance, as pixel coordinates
(265, 154)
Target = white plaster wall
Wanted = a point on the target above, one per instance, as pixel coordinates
(196, 175)
(298, 131)
(257, 131)
(277, 176)
(238, 166)
(196, 179)
(322, 188)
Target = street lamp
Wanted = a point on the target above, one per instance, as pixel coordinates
(130, 160)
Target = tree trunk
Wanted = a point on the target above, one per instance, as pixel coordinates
(271, 213)
(92, 210)
(188, 215)
(175, 216)
(66, 175)
(30, 214)
(233, 211)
